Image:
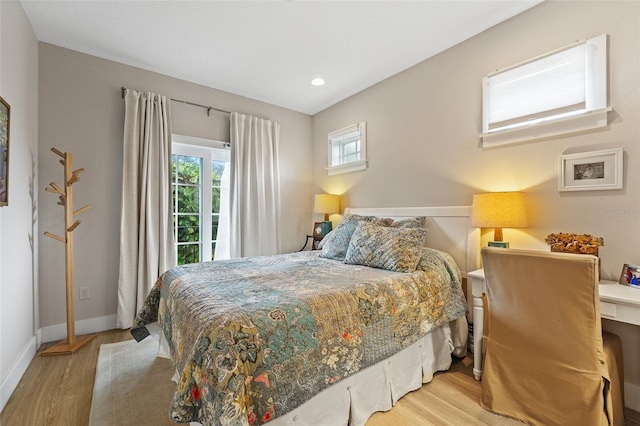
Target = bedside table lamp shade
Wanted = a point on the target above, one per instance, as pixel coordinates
(326, 204)
(499, 210)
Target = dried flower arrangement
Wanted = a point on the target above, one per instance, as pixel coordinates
(574, 243)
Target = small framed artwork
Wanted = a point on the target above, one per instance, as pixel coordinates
(5, 125)
(317, 230)
(591, 171)
(630, 275)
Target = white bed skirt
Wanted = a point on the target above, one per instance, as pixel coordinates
(351, 401)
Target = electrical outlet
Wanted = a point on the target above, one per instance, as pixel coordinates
(84, 293)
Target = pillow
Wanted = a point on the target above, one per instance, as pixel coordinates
(335, 244)
(413, 222)
(395, 249)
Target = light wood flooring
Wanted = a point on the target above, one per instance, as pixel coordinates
(57, 390)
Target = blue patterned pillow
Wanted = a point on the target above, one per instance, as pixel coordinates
(335, 244)
(395, 249)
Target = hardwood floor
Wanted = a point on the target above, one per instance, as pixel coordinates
(57, 391)
(452, 399)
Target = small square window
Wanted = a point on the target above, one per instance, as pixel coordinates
(348, 149)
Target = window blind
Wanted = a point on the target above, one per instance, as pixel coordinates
(539, 88)
(568, 82)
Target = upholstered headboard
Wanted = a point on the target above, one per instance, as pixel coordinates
(449, 227)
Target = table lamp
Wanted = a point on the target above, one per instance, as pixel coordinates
(326, 204)
(499, 210)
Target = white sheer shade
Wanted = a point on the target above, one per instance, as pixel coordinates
(560, 92)
(539, 87)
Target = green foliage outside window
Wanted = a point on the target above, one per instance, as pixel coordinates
(186, 172)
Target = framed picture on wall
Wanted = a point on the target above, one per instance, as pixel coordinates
(317, 230)
(591, 171)
(5, 125)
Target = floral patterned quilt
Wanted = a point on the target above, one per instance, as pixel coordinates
(254, 338)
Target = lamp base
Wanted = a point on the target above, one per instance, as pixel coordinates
(327, 226)
(502, 244)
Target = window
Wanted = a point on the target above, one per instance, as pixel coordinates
(348, 149)
(200, 187)
(560, 92)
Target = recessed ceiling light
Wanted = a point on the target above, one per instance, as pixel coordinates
(318, 81)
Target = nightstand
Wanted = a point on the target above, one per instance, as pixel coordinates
(314, 242)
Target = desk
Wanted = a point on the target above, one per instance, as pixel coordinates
(617, 302)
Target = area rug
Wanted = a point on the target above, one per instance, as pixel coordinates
(132, 386)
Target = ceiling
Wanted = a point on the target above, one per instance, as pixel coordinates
(269, 50)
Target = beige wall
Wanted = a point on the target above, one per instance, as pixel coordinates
(81, 111)
(18, 259)
(423, 150)
(423, 146)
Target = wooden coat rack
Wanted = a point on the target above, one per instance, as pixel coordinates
(65, 198)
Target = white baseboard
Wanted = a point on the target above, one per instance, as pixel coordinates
(16, 372)
(632, 396)
(88, 326)
(43, 335)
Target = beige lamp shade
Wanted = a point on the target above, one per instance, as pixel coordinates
(326, 204)
(499, 210)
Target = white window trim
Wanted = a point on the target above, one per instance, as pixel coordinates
(353, 166)
(545, 129)
(594, 116)
(199, 147)
(195, 141)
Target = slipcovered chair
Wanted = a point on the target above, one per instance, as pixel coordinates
(546, 361)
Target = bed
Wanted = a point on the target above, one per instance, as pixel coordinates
(317, 337)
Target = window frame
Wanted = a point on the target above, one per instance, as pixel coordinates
(205, 149)
(545, 124)
(337, 138)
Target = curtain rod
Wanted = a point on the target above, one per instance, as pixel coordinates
(208, 108)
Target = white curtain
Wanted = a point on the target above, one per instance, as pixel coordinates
(222, 239)
(255, 187)
(146, 234)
